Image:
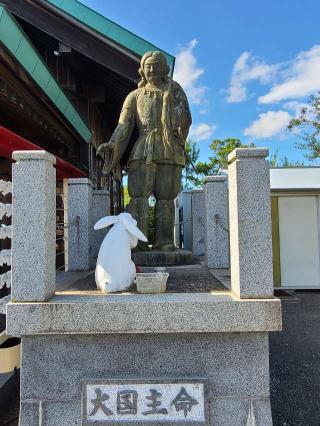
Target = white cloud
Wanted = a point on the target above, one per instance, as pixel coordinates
(294, 106)
(300, 78)
(293, 79)
(248, 68)
(187, 73)
(268, 124)
(202, 131)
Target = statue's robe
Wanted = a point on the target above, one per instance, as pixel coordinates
(163, 119)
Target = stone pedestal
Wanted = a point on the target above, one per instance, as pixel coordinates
(198, 222)
(162, 258)
(80, 224)
(34, 226)
(211, 337)
(100, 208)
(250, 223)
(216, 222)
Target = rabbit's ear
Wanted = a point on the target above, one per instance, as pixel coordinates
(132, 229)
(106, 221)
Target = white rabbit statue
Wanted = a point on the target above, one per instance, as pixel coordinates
(115, 270)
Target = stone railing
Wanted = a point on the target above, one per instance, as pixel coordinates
(5, 232)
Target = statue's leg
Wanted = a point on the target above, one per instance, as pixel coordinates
(141, 178)
(167, 187)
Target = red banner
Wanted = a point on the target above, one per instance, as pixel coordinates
(10, 142)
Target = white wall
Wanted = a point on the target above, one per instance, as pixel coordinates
(299, 241)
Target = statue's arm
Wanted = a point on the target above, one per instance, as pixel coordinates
(182, 109)
(121, 135)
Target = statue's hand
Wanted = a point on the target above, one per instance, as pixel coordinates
(111, 158)
(105, 147)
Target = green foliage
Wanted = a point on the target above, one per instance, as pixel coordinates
(308, 123)
(276, 161)
(126, 196)
(189, 176)
(219, 157)
(221, 149)
(204, 169)
(217, 160)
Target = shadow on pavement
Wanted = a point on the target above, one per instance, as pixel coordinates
(295, 362)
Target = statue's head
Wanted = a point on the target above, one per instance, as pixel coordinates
(153, 69)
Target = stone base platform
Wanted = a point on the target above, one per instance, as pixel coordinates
(162, 258)
(212, 338)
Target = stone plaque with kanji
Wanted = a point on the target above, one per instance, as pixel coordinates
(106, 402)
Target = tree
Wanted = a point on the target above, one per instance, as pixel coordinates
(221, 149)
(219, 157)
(217, 160)
(309, 124)
(189, 176)
(276, 161)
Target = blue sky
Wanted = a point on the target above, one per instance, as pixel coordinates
(247, 66)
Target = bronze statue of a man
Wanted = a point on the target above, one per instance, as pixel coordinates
(159, 108)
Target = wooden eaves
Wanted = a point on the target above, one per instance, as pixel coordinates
(71, 25)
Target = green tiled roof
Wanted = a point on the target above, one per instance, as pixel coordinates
(107, 28)
(15, 40)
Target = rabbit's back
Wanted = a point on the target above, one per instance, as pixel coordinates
(115, 270)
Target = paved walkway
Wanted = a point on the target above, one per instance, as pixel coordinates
(295, 362)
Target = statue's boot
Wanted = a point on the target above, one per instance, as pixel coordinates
(139, 209)
(164, 225)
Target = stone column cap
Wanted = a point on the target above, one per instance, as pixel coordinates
(239, 153)
(220, 178)
(33, 155)
(79, 181)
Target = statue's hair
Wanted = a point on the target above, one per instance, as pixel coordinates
(163, 61)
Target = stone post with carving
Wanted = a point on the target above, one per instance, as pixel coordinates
(34, 226)
(216, 222)
(79, 224)
(100, 208)
(250, 223)
(198, 226)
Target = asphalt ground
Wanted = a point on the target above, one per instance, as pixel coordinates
(295, 362)
(294, 366)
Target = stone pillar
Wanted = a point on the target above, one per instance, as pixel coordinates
(187, 219)
(34, 226)
(100, 208)
(79, 224)
(198, 219)
(216, 222)
(250, 223)
(177, 221)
